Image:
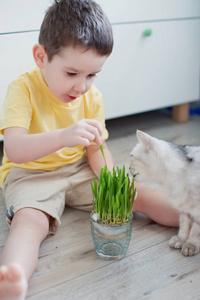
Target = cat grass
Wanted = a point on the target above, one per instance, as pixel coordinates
(113, 195)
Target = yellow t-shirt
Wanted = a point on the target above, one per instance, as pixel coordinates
(30, 104)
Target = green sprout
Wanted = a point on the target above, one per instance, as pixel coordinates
(101, 147)
(113, 195)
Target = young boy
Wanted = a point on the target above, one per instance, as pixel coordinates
(52, 120)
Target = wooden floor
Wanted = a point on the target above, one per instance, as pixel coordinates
(68, 266)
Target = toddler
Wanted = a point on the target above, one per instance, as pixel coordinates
(53, 123)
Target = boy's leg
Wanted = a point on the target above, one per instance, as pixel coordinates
(29, 228)
(155, 205)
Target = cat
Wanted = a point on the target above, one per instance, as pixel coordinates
(177, 169)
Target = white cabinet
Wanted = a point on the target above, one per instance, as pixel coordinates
(22, 15)
(132, 11)
(19, 30)
(143, 72)
(16, 57)
(150, 72)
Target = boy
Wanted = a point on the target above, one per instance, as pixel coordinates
(52, 120)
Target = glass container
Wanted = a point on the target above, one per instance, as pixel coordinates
(111, 241)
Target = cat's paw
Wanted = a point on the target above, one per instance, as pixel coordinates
(189, 249)
(176, 242)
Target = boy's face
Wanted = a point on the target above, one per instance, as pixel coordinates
(72, 72)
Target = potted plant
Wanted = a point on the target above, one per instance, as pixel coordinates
(112, 217)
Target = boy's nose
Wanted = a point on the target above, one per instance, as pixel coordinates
(81, 87)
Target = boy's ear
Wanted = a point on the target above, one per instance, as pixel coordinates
(39, 54)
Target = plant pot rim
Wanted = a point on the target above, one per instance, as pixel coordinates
(110, 225)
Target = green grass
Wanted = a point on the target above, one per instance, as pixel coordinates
(113, 195)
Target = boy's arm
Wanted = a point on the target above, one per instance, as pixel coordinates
(96, 159)
(21, 147)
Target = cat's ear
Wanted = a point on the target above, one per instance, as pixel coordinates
(145, 139)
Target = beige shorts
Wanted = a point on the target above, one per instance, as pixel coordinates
(49, 191)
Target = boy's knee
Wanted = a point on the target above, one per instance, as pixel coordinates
(33, 218)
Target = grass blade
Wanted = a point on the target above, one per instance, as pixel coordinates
(101, 147)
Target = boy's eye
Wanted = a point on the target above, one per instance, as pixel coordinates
(92, 75)
(71, 74)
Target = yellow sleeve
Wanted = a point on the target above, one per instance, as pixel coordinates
(16, 110)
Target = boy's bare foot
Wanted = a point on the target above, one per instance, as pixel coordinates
(13, 283)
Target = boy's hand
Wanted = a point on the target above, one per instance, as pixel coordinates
(82, 133)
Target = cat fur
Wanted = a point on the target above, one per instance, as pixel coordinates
(175, 168)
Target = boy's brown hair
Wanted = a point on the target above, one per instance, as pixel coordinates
(75, 23)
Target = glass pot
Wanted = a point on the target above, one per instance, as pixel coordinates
(111, 241)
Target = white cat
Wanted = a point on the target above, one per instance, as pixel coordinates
(177, 169)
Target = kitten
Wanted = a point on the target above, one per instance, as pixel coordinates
(177, 169)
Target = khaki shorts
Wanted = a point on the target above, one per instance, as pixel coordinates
(49, 191)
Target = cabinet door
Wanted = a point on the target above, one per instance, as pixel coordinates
(150, 72)
(16, 58)
(119, 11)
(22, 15)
